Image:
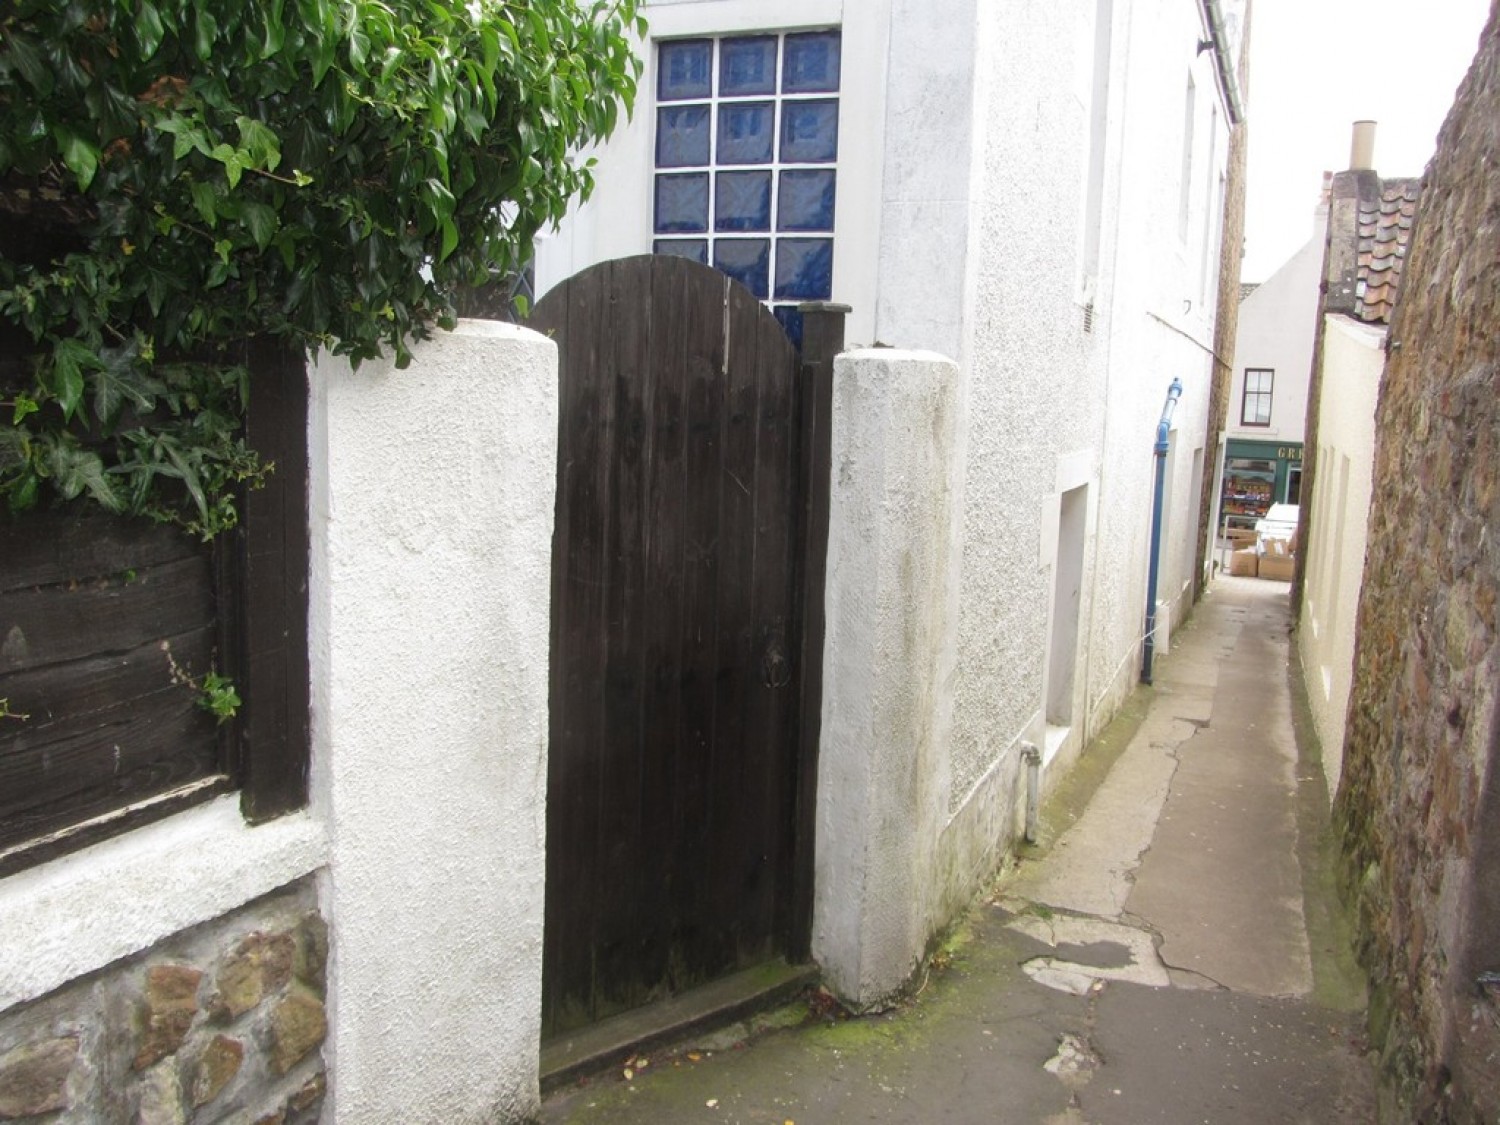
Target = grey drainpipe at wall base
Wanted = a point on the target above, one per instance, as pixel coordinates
(1033, 759)
(1163, 429)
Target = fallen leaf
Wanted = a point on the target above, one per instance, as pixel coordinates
(712, 1103)
(629, 1074)
(694, 1056)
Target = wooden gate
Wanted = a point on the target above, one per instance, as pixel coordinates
(675, 784)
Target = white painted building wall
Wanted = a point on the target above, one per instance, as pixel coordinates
(1276, 328)
(1353, 363)
(1002, 168)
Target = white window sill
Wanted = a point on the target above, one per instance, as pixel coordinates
(83, 911)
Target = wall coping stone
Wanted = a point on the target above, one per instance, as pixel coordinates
(83, 911)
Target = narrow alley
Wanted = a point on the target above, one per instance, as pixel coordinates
(1170, 951)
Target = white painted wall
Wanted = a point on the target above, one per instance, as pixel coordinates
(888, 651)
(1048, 406)
(432, 503)
(967, 132)
(1276, 328)
(1353, 363)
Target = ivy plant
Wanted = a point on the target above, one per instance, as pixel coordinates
(177, 176)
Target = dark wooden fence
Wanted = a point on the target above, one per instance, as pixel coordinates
(107, 628)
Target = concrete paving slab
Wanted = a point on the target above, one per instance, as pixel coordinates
(1173, 1056)
(1089, 870)
(1222, 882)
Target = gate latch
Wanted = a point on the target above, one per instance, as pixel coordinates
(775, 668)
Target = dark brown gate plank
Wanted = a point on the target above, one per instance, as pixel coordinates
(706, 944)
(580, 622)
(662, 830)
(621, 877)
(772, 705)
(736, 854)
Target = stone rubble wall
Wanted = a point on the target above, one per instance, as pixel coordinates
(1419, 807)
(222, 1022)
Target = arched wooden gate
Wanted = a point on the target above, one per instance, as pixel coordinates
(679, 774)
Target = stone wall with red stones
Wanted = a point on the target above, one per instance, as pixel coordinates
(222, 1021)
(1419, 807)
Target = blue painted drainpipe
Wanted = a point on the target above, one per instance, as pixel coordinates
(1163, 428)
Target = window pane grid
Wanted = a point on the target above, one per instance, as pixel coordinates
(746, 157)
(1255, 408)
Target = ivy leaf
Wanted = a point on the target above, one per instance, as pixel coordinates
(28, 60)
(260, 219)
(205, 202)
(207, 33)
(75, 470)
(81, 157)
(259, 143)
(275, 37)
(69, 359)
(148, 28)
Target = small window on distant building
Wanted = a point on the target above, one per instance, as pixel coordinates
(747, 131)
(1256, 409)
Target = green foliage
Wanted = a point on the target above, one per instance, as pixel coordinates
(218, 696)
(323, 171)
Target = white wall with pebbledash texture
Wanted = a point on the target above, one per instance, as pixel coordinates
(1034, 191)
(432, 506)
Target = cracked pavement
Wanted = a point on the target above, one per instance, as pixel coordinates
(1169, 952)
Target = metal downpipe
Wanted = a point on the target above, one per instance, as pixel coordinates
(1163, 429)
(1033, 759)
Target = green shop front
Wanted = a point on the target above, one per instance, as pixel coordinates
(1258, 474)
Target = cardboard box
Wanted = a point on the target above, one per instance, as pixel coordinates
(1242, 564)
(1276, 567)
(1276, 548)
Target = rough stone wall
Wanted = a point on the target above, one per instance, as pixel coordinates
(1420, 803)
(221, 1022)
(1227, 318)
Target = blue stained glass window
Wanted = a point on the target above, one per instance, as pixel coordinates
(694, 249)
(681, 135)
(684, 69)
(806, 200)
(791, 321)
(747, 66)
(809, 132)
(804, 269)
(747, 260)
(682, 202)
(742, 201)
(812, 63)
(745, 132)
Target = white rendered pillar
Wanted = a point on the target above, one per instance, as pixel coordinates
(432, 508)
